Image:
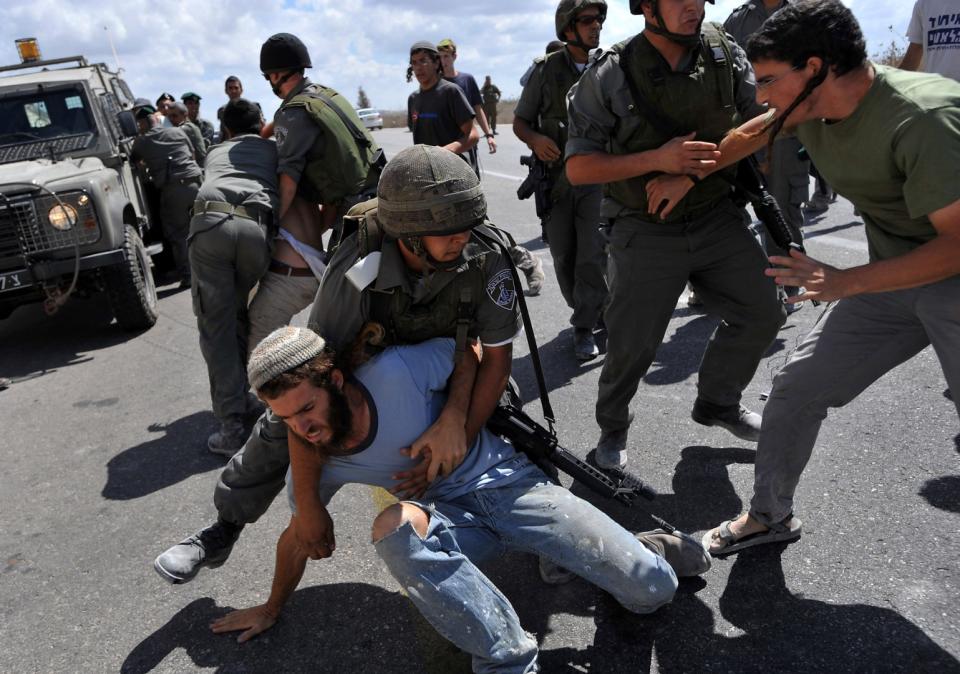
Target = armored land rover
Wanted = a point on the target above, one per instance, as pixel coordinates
(73, 209)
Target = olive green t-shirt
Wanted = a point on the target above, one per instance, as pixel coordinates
(897, 157)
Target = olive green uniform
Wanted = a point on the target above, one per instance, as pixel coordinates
(573, 222)
(229, 253)
(416, 308)
(197, 142)
(169, 158)
(704, 240)
(491, 96)
(788, 176)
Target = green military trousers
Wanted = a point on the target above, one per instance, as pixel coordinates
(650, 265)
(176, 200)
(577, 249)
(228, 255)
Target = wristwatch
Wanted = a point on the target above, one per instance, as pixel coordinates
(488, 135)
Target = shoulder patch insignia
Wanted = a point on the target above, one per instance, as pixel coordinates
(500, 289)
(280, 133)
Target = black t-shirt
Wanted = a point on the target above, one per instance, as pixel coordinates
(437, 114)
(469, 85)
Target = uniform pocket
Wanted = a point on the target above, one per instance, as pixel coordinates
(197, 296)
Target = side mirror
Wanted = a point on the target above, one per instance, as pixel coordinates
(128, 123)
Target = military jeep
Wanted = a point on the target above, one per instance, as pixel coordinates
(73, 208)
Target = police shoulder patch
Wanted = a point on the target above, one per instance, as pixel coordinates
(501, 290)
(280, 133)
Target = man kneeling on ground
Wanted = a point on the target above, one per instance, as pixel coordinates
(352, 424)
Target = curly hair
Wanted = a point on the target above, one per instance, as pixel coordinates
(823, 28)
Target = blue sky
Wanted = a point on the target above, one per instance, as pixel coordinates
(178, 46)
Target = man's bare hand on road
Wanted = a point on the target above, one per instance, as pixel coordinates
(252, 620)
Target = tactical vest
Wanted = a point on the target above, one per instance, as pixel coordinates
(701, 100)
(344, 166)
(448, 314)
(558, 77)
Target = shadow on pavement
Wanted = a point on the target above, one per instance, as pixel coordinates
(159, 463)
(776, 631)
(943, 493)
(341, 627)
(44, 344)
(560, 368)
(830, 230)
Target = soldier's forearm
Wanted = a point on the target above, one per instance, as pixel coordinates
(598, 168)
(460, 386)
(492, 378)
(523, 131)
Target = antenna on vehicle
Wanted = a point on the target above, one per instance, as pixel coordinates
(113, 49)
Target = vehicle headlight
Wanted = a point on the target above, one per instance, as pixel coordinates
(62, 217)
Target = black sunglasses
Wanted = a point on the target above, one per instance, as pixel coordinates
(591, 19)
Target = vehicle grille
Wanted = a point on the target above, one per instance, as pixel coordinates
(14, 217)
(23, 232)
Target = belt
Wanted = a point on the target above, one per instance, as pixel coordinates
(278, 267)
(259, 215)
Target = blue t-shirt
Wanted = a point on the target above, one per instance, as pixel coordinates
(405, 387)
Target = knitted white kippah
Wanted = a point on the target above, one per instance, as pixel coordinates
(282, 350)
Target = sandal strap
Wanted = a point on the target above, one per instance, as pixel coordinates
(724, 533)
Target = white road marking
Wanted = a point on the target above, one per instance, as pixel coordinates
(505, 176)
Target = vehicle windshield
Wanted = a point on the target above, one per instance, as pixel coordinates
(43, 115)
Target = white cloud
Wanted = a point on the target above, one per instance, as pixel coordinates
(181, 45)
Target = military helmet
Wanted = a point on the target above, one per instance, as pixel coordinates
(282, 52)
(568, 9)
(426, 190)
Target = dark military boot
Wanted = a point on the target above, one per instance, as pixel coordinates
(230, 438)
(584, 345)
(210, 547)
(735, 418)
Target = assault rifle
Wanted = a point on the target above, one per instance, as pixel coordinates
(750, 185)
(539, 185)
(540, 443)
(542, 446)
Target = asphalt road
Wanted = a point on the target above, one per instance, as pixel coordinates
(102, 439)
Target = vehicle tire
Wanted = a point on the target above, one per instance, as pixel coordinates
(133, 295)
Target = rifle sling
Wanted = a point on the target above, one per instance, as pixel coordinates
(548, 413)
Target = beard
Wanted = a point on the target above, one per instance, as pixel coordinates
(340, 421)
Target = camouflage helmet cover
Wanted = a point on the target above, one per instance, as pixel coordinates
(429, 191)
(568, 9)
